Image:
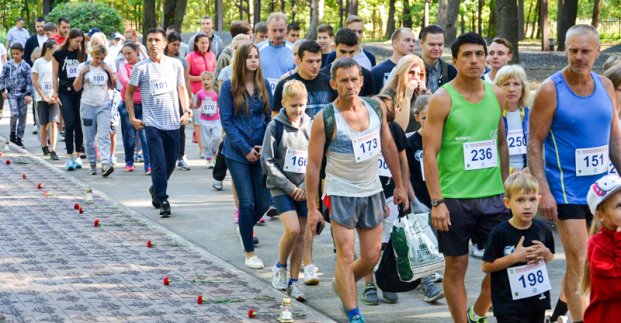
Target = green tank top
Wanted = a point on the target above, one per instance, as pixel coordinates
(469, 162)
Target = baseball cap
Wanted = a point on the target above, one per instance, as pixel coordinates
(93, 31)
(602, 189)
(117, 36)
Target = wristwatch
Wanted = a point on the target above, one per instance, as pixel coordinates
(436, 202)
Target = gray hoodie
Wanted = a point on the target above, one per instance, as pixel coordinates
(282, 182)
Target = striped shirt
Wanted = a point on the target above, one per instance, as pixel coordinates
(159, 83)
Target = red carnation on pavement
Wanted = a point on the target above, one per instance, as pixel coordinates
(149, 244)
(252, 313)
(8, 162)
(76, 206)
(166, 281)
(40, 186)
(96, 223)
(46, 194)
(199, 299)
(81, 210)
(24, 175)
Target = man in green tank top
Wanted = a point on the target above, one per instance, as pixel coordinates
(466, 160)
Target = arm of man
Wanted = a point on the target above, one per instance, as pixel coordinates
(614, 148)
(541, 116)
(503, 147)
(55, 78)
(315, 157)
(391, 156)
(439, 109)
(129, 104)
(183, 94)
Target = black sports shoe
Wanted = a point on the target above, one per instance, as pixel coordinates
(106, 170)
(18, 142)
(46, 150)
(271, 212)
(156, 204)
(53, 155)
(165, 211)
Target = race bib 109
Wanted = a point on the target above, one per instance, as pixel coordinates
(295, 161)
(592, 161)
(480, 154)
(528, 280)
(517, 142)
(367, 146)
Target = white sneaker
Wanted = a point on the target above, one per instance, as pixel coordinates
(310, 275)
(279, 278)
(476, 252)
(296, 290)
(254, 263)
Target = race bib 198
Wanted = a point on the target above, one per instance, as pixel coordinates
(517, 142)
(480, 154)
(295, 161)
(208, 108)
(160, 86)
(592, 161)
(528, 280)
(367, 146)
(383, 167)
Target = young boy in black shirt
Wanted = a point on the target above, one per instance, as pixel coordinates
(516, 255)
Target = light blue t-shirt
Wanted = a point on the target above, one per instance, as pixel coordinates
(275, 61)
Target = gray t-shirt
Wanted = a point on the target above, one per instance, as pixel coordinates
(225, 74)
(158, 83)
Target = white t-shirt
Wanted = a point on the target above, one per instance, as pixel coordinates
(95, 85)
(43, 68)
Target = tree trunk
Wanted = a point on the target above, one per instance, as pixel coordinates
(508, 26)
(47, 6)
(425, 14)
(341, 12)
(596, 8)
(544, 26)
(311, 34)
(407, 13)
(520, 17)
(527, 22)
(174, 12)
(390, 24)
(491, 23)
(218, 16)
(450, 24)
(256, 17)
(441, 12)
(293, 10)
(282, 5)
(480, 17)
(353, 7)
(148, 18)
(568, 14)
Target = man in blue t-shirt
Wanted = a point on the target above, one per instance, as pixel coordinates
(276, 54)
(403, 43)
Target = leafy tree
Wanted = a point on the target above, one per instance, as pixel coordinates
(88, 15)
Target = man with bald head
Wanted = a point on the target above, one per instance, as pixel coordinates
(573, 122)
(276, 53)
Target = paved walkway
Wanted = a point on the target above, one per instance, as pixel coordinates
(56, 266)
(201, 217)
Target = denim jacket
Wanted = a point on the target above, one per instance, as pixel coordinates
(16, 79)
(243, 132)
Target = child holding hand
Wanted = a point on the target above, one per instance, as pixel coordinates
(516, 255)
(208, 118)
(602, 275)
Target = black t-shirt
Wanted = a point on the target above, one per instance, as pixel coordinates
(415, 157)
(324, 59)
(502, 241)
(367, 86)
(67, 69)
(388, 184)
(319, 93)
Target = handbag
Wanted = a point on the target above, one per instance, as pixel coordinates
(386, 276)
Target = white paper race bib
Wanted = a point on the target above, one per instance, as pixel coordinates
(72, 70)
(47, 87)
(273, 83)
(97, 79)
(592, 161)
(422, 168)
(367, 146)
(160, 86)
(612, 170)
(208, 108)
(528, 280)
(480, 154)
(295, 161)
(383, 167)
(517, 142)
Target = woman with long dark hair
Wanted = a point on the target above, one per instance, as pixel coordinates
(65, 63)
(245, 102)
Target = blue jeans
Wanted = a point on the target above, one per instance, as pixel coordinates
(163, 149)
(252, 194)
(129, 135)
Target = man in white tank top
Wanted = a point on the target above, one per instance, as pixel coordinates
(352, 181)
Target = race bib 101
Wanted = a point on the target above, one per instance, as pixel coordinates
(592, 161)
(383, 167)
(528, 280)
(367, 146)
(160, 86)
(480, 154)
(295, 161)
(517, 142)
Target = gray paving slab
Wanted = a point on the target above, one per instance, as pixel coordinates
(204, 217)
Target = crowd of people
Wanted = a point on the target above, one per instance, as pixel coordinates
(302, 125)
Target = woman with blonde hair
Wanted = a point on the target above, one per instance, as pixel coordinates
(406, 82)
(512, 80)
